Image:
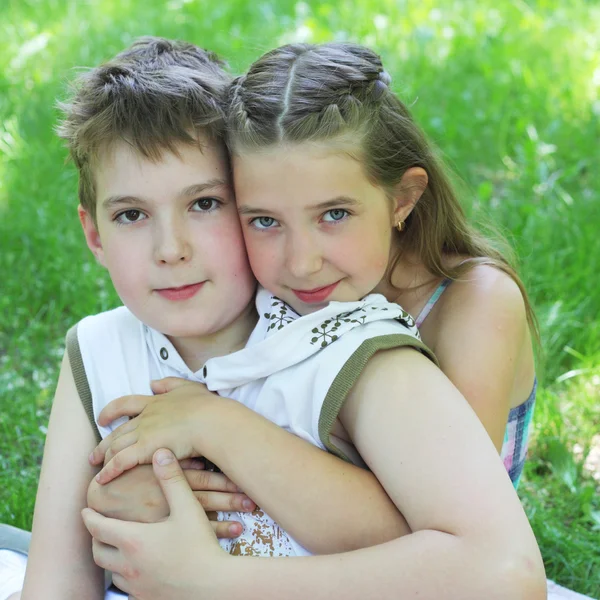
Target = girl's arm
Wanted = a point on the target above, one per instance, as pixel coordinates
(481, 340)
(471, 537)
(60, 563)
(275, 468)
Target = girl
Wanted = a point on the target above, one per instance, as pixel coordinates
(300, 113)
(325, 158)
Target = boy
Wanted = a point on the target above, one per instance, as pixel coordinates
(157, 258)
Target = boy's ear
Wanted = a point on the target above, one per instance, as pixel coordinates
(408, 192)
(92, 237)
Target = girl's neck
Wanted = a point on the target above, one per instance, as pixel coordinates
(410, 284)
(195, 351)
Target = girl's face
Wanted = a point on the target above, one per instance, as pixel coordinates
(315, 227)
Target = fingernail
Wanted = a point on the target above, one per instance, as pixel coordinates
(235, 529)
(164, 457)
(91, 458)
(248, 505)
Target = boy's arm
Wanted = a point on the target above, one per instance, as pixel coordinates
(60, 563)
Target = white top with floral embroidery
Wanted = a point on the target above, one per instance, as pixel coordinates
(295, 371)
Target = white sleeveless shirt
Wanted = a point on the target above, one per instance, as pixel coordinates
(295, 371)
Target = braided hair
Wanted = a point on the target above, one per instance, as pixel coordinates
(301, 92)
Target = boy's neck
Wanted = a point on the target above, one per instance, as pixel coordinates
(195, 351)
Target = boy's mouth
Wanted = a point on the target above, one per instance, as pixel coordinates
(184, 292)
(316, 295)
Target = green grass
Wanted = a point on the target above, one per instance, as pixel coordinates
(508, 91)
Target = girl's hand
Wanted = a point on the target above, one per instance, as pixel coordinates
(136, 496)
(177, 420)
(171, 560)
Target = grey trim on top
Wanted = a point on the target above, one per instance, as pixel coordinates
(81, 382)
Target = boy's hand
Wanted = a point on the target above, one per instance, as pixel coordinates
(137, 496)
(173, 559)
(174, 420)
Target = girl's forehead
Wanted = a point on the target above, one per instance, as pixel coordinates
(315, 163)
(346, 145)
(304, 176)
(297, 165)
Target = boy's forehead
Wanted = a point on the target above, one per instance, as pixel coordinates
(155, 151)
(121, 168)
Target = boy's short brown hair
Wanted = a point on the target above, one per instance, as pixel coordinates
(154, 95)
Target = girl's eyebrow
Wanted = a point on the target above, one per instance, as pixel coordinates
(333, 203)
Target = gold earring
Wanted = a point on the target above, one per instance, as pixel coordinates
(400, 225)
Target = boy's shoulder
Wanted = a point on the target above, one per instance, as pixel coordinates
(117, 319)
(108, 353)
(108, 331)
(121, 314)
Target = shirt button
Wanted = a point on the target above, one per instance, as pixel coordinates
(164, 354)
(205, 372)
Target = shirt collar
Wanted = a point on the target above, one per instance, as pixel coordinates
(166, 354)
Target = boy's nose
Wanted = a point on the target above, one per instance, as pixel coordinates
(172, 246)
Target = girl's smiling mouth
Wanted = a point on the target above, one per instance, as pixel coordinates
(316, 295)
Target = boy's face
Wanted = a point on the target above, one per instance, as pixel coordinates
(169, 235)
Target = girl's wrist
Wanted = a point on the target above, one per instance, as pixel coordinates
(218, 423)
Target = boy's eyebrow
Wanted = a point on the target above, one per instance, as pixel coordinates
(333, 203)
(192, 190)
(200, 188)
(113, 201)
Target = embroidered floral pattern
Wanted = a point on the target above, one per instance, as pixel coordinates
(261, 536)
(328, 331)
(405, 319)
(281, 315)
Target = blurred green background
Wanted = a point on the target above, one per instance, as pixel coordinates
(508, 90)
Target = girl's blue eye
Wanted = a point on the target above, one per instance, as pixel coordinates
(130, 216)
(263, 222)
(206, 204)
(335, 215)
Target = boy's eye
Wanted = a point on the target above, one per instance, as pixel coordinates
(206, 204)
(130, 216)
(264, 222)
(335, 214)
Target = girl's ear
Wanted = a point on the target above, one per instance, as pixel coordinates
(92, 237)
(408, 192)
